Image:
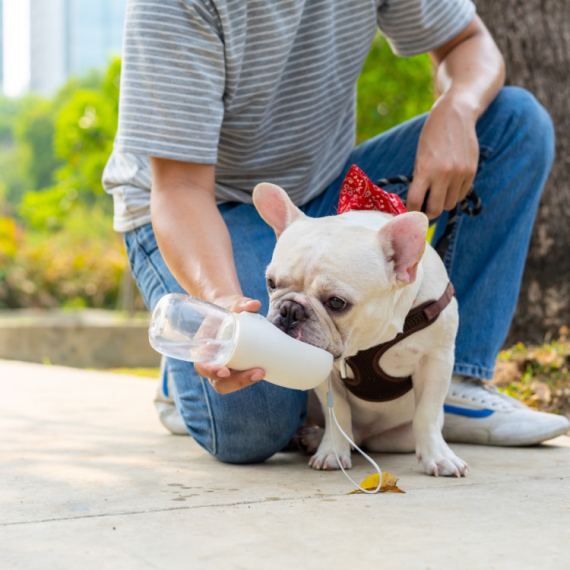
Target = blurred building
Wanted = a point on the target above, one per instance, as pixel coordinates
(70, 37)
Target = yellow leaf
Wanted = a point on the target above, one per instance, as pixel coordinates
(371, 484)
(8, 243)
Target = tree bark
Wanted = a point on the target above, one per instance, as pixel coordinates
(534, 36)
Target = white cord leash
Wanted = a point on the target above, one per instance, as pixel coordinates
(332, 416)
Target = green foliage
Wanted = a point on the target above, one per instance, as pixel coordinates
(34, 131)
(83, 139)
(9, 109)
(391, 90)
(14, 156)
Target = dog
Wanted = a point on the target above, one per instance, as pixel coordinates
(346, 283)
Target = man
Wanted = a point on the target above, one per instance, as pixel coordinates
(223, 95)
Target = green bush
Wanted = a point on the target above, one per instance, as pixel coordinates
(79, 267)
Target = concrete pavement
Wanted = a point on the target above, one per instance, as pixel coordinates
(89, 479)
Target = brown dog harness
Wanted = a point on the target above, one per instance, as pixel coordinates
(370, 382)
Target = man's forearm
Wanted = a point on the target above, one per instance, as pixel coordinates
(190, 232)
(471, 69)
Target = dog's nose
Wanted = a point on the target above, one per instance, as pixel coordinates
(291, 313)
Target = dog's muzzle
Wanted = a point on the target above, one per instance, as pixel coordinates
(291, 314)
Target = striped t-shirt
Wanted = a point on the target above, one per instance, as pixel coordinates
(263, 89)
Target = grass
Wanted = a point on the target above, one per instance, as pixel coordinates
(144, 372)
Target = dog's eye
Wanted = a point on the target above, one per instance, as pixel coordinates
(336, 304)
(270, 283)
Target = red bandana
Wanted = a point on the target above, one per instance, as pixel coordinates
(358, 193)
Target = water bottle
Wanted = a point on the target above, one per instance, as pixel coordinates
(194, 330)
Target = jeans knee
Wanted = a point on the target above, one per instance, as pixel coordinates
(533, 124)
(255, 454)
(258, 439)
(258, 446)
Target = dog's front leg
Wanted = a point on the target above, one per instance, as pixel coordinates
(431, 382)
(325, 457)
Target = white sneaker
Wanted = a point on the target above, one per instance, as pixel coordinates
(168, 414)
(476, 412)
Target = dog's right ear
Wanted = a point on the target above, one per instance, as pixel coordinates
(404, 241)
(275, 207)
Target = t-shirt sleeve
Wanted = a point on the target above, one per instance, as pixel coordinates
(172, 81)
(417, 26)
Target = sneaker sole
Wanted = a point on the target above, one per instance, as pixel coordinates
(487, 439)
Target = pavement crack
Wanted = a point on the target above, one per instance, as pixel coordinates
(168, 509)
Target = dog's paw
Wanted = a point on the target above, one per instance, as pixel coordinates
(327, 460)
(311, 437)
(444, 463)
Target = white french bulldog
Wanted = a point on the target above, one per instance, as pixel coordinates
(345, 283)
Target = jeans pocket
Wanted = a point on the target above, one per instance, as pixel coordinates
(146, 239)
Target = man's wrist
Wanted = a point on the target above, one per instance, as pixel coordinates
(463, 101)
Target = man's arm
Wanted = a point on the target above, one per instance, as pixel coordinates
(470, 74)
(196, 246)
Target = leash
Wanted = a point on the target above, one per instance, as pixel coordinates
(471, 206)
(332, 416)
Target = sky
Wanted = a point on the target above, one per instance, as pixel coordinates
(16, 47)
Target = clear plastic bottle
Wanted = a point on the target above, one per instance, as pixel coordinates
(190, 329)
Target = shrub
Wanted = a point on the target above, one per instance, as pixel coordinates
(69, 269)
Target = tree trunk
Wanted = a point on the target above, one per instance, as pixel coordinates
(534, 36)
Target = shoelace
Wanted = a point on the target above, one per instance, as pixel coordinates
(474, 391)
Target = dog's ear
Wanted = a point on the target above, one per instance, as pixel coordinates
(275, 207)
(404, 241)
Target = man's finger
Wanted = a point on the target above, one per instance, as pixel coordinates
(436, 200)
(237, 381)
(466, 187)
(211, 371)
(416, 194)
(452, 196)
(246, 304)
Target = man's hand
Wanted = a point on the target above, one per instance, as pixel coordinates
(223, 379)
(470, 73)
(446, 160)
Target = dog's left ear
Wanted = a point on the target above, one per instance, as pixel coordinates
(404, 241)
(275, 207)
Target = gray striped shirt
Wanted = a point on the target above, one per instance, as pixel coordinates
(263, 89)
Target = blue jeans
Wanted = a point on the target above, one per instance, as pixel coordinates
(485, 261)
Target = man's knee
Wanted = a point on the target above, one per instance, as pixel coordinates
(257, 439)
(248, 426)
(532, 125)
(260, 447)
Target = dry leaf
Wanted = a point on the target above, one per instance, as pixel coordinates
(371, 483)
(506, 372)
(542, 392)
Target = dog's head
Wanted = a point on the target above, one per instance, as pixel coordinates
(334, 282)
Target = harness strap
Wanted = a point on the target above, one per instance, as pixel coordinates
(370, 382)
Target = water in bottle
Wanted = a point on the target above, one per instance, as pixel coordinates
(190, 329)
